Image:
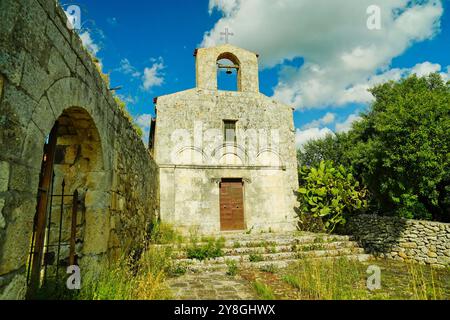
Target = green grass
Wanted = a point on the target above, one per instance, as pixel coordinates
(163, 233)
(271, 249)
(263, 291)
(256, 257)
(236, 245)
(343, 279)
(126, 278)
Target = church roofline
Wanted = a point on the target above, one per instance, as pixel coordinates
(225, 46)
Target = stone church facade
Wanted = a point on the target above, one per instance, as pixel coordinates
(227, 160)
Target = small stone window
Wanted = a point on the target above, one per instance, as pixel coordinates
(229, 131)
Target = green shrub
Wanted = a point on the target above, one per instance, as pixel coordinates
(232, 267)
(329, 194)
(212, 249)
(177, 269)
(256, 257)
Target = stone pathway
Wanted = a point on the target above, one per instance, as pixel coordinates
(210, 286)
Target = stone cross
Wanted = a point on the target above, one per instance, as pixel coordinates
(226, 34)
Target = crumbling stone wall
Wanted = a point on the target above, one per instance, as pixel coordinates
(46, 75)
(402, 239)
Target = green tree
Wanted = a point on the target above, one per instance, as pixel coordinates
(401, 148)
(332, 147)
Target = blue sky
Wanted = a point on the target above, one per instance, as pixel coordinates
(316, 55)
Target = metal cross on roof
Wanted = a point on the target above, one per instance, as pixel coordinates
(226, 34)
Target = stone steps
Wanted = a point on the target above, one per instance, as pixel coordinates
(279, 256)
(279, 250)
(207, 267)
(263, 240)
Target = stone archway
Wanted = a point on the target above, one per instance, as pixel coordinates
(72, 217)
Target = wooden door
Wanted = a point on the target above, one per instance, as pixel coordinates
(232, 205)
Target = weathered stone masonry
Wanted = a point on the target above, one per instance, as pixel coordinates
(194, 158)
(401, 239)
(46, 75)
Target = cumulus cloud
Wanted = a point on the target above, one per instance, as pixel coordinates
(88, 43)
(342, 57)
(347, 124)
(152, 76)
(303, 136)
(319, 129)
(424, 69)
(325, 120)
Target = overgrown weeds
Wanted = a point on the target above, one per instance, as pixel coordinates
(163, 233)
(263, 291)
(344, 279)
(232, 267)
(209, 250)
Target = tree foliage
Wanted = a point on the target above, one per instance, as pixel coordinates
(332, 147)
(400, 149)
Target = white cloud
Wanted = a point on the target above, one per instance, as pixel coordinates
(342, 56)
(128, 99)
(327, 119)
(303, 136)
(152, 76)
(127, 68)
(424, 69)
(446, 76)
(347, 124)
(89, 44)
(143, 121)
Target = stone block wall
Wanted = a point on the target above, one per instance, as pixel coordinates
(190, 151)
(46, 75)
(401, 239)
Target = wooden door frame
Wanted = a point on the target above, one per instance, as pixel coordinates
(241, 180)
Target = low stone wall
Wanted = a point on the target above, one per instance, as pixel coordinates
(400, 239)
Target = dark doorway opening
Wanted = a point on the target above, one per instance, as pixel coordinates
(71, 172)
(45, 263)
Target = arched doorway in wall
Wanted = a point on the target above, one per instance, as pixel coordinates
(228, 72)
(70, 166)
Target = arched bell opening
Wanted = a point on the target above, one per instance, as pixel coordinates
(228, 72)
